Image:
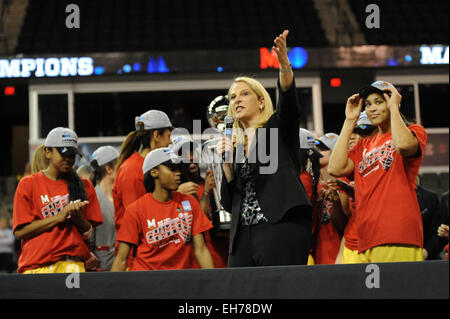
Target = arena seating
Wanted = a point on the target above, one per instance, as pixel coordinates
(405, 22)
(141, 25)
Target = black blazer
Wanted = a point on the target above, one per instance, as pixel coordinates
(281, 190)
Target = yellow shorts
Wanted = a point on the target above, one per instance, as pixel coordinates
(350, 256)
(58, 267)
(310, 260)
(391, 253)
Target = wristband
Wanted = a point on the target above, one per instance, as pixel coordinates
(286, 70)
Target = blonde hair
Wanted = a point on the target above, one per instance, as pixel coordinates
(39, 161)
(264, 116)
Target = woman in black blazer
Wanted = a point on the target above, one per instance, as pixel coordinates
(271, 213)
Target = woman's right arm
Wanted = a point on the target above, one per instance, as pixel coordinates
(201, 252)
(340, 164)
(37, 227)
(226, 145)
(228, 183)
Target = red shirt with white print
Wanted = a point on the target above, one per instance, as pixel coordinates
(38, 197)
(388, 211)
(163, 231)
(351, 229)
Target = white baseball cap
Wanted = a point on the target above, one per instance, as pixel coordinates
(329, 140)
(153, 119)
(376, 87)
(306, 139)
(160, 156)
(363, 126)
(363, 119)
(178, 143)
(64, 140)
(307, 143)
(105, 154)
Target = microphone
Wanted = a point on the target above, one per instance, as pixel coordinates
(229, 120)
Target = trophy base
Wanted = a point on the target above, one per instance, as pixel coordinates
(222, 220)
(224, 227)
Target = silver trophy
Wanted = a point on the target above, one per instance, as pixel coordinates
(216, 113)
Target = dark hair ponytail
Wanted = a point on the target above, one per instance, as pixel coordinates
(74, 183)
(94, 176)
(132, 144)
(75, 186)
(134, 141)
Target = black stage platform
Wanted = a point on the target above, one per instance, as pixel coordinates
(396, 280)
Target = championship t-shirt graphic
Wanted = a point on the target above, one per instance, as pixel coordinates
(55, 205)
(176, 230)
(386, 202)
(163, 231)
(39, 197)
(382, 155)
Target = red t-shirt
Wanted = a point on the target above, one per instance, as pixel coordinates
(351, 229)
(388, 212)
(200, 190)
(218, 259)
(128, 185)
(38, 197)
(308, 185)
(328, 240)
(163, 231)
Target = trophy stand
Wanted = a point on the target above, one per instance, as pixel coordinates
(221, 218)
(215, 114)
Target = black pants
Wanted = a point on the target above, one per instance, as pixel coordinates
(285, 243)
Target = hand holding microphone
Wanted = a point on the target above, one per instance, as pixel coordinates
(225, 148)
(228, 155)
